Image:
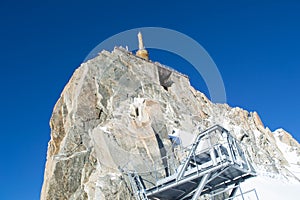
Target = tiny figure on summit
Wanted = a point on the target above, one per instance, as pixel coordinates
(142, 52)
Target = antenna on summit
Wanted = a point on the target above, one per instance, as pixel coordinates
(141, 43)
(142, 52)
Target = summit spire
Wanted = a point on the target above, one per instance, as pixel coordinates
(140, 38)
(142, 52)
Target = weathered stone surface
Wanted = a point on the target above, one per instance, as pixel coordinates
(116, 112)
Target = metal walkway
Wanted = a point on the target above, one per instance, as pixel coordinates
(214, 164)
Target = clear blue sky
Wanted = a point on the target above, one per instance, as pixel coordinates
(255, 45)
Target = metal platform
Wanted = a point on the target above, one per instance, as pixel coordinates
(211, 165)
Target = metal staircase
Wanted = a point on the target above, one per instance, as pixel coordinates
(214, 164)
(137, 186)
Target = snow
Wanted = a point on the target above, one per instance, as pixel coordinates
(257, 133)
(105, 129)
(276, 186)
(290, 154)
(270, 188)
(286, 150)
(295, 169)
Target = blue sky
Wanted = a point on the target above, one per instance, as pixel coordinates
(255, 45)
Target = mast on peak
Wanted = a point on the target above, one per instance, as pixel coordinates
(142, 52)
(140, 38)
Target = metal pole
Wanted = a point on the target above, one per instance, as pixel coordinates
(241, 192)
(193, 149)
(213, 155)
(200, 186)
(234, 190)
(256, 194)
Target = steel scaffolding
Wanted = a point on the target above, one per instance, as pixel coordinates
(213, 164)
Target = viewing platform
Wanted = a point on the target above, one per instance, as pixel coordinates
(214, 164)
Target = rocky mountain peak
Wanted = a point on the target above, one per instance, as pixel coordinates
(116, 113)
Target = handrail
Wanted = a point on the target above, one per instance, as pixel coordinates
(172, 158)
(214, 156)
(194, 148)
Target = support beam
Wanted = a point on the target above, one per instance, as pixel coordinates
(219, 174)
(186, 162)
(241, 192)
(200, 186)
(234, 190)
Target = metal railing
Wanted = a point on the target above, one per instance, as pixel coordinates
(210, 150)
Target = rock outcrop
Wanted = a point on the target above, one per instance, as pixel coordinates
(116, 113)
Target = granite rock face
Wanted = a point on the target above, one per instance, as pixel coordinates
(115, 114)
